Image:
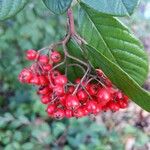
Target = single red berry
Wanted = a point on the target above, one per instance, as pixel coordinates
(31, 54)
(25, 76)
(91, 106)
(119, 95)
(35, 80)
(68, 113)
(55, 56)
(43, 59)
(79, 112)
(47, 67)
(72, 102)
(104, 96)
(50, 109)
(82, 96)
(62, 99)
(44, 90)
(100, 73)
(59, 90)
(59, 114)
(46, 99)
(60, 80)
(93, 89)
(71, 89)
(113, 106)
(43, 80)
(123, 103)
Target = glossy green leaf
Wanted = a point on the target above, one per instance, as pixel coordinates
(9, 8)
(115, 41)
(113, 7)
(120, 78)
(57, 6)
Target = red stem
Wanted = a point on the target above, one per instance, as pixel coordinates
(71, 22)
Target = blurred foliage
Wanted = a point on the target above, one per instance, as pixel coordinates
(24, 124)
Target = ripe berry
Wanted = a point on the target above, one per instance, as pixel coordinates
(71, 89)
(43, 59)
(60, 80)
(55, 56)
(68, 113)
(82, 95)
(123, 103)
(103, 96)
(72, 102)
(44, 90)
(47, 67)
(31, 54)
(25, 76)
(91, 106)
(45, 99)
(114, 106)
(43, 80)
(35, 80)
(59, 114)
(50, 109)
(59, 90)
(93, 89)
(79, 112)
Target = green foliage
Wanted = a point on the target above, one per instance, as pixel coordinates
(109, 36)
(57, 6)
(113, 7)
(9, 8)
(24, 125)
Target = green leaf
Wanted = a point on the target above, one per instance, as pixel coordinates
(113, 7)
(119, 77)
(9, 8)
(114, 40)
(57, 6)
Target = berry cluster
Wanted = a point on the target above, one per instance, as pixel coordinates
(87, 95)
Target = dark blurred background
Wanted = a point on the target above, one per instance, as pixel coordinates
(24, 125)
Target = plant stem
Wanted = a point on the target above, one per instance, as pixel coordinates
(71, 22)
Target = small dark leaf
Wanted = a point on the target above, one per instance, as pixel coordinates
(57, 6)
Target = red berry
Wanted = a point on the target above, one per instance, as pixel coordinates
(91, 106)
(50, 109)
(93, 89)
(25, 76)
(59, 114)
(72, 102)
(104, 96)
(59, 90)
(47, 67)
(123, 103)
(100, 72)
(43, 59)
(68, 113)
(82, 95)
(113, 106)
(55, 56)
(45, 99)
(71, 89)
(35, 80)
(44, 90)
(62, 100)
(60, 80)
(79, 112)
(43, 80)
(31, 54)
